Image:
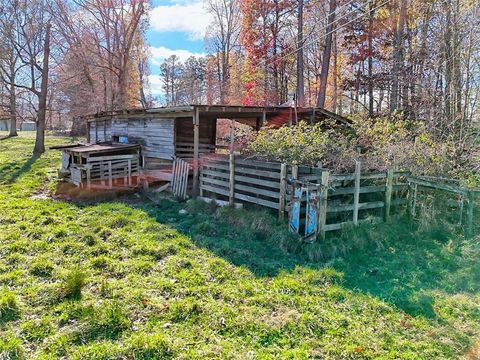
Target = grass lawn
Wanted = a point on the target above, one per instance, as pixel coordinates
(128, 279)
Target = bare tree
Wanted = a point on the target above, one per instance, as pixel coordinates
(31, 46)
(223, 37)
(398, 54)
(326, 54)
(9, 64)
(300, 60)
(103, 41)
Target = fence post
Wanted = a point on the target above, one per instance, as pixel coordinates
(231, 197)
(200, 188)
(471, 204)
(283, 190)
(388, 194)
(460, 211)
(196, 154)
(295, 172)
(110, 180)
(322, 215)
(356, 194)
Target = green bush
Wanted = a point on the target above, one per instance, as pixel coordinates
(380, 143)
(301, 144)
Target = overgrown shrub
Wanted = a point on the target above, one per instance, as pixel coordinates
(380, 143)
(301, 144)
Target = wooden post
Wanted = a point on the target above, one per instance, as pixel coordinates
(470, 209)
(460, 215)
(196, 145)
(232, 135)
(283, 190)
(264, 118)
(410, 193)
(295, 172)
(322, 215)
(110, 180)
(231, 196)
(388, 195)
(414, 202)
(129, 172)
(89, 181)
(356, 194)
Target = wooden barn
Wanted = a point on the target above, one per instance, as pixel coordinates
(186, 131)
(168, 134)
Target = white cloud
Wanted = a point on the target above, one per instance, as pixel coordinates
(156, 84)
(186, 16)
(160, 53)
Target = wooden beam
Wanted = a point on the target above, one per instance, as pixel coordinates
(232, 179)
(283, 191)
(356, 194)
(388, 194)
(196, 145)
(470, 209)
(88, 132)
(322, 215)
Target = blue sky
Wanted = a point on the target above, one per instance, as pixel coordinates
(176, 27)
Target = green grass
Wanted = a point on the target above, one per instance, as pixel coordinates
(128, 279)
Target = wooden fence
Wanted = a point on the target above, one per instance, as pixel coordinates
(102, 170)
(345, 198)
(449, 186)
(256, 182)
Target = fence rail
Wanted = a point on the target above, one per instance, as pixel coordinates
(269, 184)
(449, 186)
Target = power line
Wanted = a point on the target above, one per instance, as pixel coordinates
(265, 62)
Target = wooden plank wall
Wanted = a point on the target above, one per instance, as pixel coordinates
(155, 135)
(255, 182)
(101, 131)
(161, 138)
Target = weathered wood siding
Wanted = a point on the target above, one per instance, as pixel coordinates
(100, 131)
(155, 135)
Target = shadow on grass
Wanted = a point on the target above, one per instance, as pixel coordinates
(7, 137)
(397, 262)
(11, 171)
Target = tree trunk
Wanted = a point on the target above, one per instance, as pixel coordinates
(300, 65)
(370, 61)
(398, 56)
(335, 75)
(42, 97)
(322, 93)
(12, 95)
(448, 56)
(13, 110)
